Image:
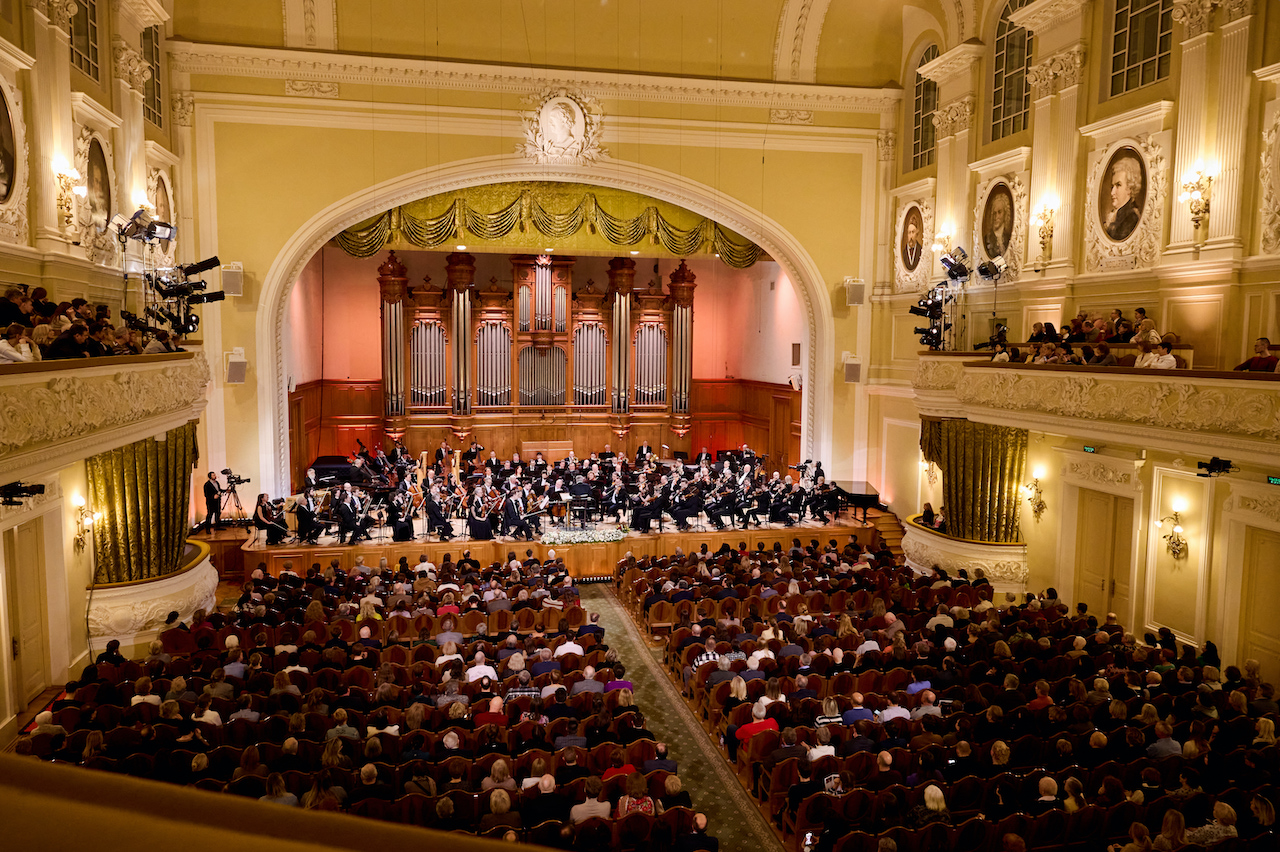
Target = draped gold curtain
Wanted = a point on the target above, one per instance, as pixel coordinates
(931, 440)
(982, 469)
(143, 491)
(527, 213)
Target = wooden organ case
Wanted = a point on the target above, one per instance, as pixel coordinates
(548, 361)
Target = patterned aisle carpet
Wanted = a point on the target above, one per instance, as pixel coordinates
(731, 815)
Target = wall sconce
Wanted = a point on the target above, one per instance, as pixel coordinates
(1033, 493)
(942, 239)
(1174, 539)
(930, 471)
(68, 179)
(85, 519)
(1196, 186)
(1043, 222)
(141, 202)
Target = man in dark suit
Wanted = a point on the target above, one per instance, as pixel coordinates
(69, 344)
(661, 761)
(643, 453)
(212, 503)
(703, 456)
(698, 840)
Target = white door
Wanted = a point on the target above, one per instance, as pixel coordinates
(24, 558)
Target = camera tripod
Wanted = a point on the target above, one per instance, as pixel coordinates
(231, 498)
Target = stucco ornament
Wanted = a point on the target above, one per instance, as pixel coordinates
(562, 127)
(140, 609)
(922, 555)
(71, 406)
(937, 374)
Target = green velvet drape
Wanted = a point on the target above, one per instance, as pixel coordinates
(931, 440)
(143, 491)
(982, 470)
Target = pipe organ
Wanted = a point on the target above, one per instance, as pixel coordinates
(544, 358)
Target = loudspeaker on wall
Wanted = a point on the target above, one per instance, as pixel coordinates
(852, 372)
(237, 370)
(233, 279)
(854, 292)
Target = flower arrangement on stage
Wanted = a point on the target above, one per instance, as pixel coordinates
(583, 536)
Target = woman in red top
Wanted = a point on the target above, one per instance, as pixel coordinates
(617, 766)
(637, 799)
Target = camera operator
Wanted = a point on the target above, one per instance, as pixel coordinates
(212, 503)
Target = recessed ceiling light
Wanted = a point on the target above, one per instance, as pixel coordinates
(635, 252)
(548, 251)
(461, 248)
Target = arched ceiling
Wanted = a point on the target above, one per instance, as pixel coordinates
(829, 42)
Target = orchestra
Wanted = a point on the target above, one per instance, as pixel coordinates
(512, 497)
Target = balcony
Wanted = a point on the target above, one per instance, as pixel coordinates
(1208, 411)
(54, 413)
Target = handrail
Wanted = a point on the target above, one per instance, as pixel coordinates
(65, 365)
(915, 522)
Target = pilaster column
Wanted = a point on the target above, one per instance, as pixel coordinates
(954, 73)
(393, 287)
(622, 280)
(1196, 19)
(1234, 90)
(460, 275)
(682, 286)
(1045, 127)
(53, 134)
(131, 76)
(1068, 68)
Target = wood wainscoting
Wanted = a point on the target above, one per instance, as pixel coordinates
(730, 412)
(327, 417)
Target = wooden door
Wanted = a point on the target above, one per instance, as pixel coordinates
(1104, 550)
(24, 558)
(1259, 628)
(1095, 533)
(779, 433)
(298, 449)
(1122, 559)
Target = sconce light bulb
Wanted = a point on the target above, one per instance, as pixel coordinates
(1179, 505)
(97, 516)
(1038, 473)
(1177, 528)
(1196, 196)
(78, 501)
(1184, 197)
(80, 191)
(1159, 524)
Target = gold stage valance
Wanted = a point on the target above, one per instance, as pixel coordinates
(143, 491)
(528, 214)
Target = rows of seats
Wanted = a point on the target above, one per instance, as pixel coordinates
(1044, 648)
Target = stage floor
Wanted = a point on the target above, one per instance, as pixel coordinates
(586, 560)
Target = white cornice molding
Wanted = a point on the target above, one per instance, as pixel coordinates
(157, 153)
(14, 57)
(143, 13)
(1013, 160)
(1042, 15)
(1144, 119)
(87, 111)
(274, 63)
(1269, 74)
(470, 121)
(954, 62)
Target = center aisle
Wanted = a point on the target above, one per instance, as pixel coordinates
(731, 815)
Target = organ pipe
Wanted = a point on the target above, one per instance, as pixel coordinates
(393, 287)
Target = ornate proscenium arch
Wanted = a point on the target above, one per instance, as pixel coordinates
(782, 246)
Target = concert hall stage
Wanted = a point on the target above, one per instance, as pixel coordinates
(590, 560)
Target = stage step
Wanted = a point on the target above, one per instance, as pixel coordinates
(891, 530)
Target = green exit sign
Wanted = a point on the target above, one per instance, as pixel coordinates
(1273, 480)
(1090, 449)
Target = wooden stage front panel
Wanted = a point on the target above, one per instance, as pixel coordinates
(584, 561)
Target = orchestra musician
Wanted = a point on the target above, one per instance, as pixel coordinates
(212, 503)
(513, 519)
(399, 517)
(478, 524)
(643, 454)
(305, 509)
(702, 458)
(265, 518)
(435, 515)
(444, 454)
(310, 481)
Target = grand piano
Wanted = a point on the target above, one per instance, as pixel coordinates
(858, 495)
